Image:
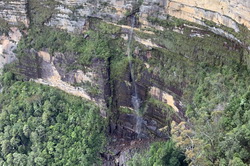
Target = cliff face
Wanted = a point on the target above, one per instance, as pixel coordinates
(14, 11)
(72, 14)
(75, 16)
(223, 12)
(8, 44)
(166, 55)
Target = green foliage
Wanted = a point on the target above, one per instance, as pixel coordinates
(211, 72)
(236, 162)
(104, 43)
(91, 88)
(4, 26)
(119, 66)
(160, 154)
(44, 38)
(125, 110)
(164, 107)
(8, 77)
(41, 11)
(101, 43)
(220, 87)
(170, 23)
(236, 123)
(44, 126)
(242, 35)
(181, 56)
(223, 133)
(159, 104)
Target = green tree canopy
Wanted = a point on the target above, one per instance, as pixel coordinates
(41, 125)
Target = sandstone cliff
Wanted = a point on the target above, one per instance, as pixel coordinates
(14, 11)
(167, 57)
(72, 13)
(8, 44)
(223, 12)
(228, 13)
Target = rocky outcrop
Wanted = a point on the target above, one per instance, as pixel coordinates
(8, 43)
(14, 11)
(54, 72)
(68, 19)
(164, 97)
(223, 12)
(72, 15)
(50, 76)
(157, 98)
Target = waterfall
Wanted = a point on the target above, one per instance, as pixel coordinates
(135, 98)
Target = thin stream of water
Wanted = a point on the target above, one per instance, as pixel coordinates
(135, 97)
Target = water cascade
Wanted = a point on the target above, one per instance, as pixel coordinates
(135, 98)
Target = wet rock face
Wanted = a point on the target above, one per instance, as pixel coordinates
(153, 119)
